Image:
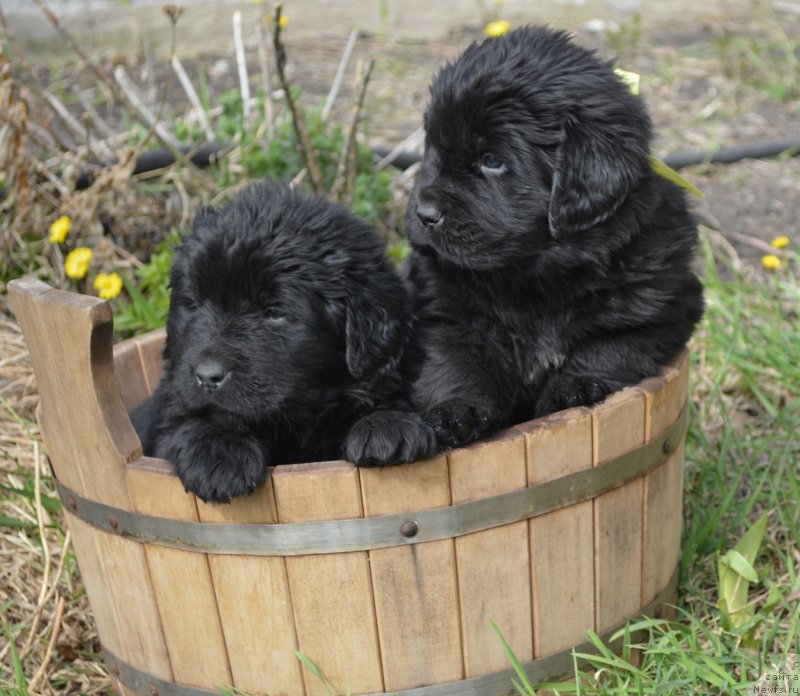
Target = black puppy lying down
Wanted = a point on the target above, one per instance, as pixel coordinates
(286, 325)
(550, 264)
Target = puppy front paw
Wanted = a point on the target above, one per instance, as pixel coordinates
(221, 467)
(389, 437)
(458, 421)
(567, 391)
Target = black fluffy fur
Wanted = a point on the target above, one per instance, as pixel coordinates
(286, 325)
(550, 264)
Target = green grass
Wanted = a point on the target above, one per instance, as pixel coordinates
(743, 460)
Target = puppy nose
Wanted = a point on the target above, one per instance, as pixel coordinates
(429, 214)
(210, 374)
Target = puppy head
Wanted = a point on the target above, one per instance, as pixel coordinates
(529, 139)
(279, 301)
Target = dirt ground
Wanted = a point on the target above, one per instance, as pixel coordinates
(706, 84)
(701, 95)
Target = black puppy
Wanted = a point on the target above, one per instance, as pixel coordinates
(550, 264)
(286, 324)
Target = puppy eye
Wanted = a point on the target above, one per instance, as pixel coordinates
(492, 165)
(274, 314)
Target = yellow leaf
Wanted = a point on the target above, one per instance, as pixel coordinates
(671, 175)
(631, 79)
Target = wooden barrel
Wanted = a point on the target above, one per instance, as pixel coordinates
(386, 579)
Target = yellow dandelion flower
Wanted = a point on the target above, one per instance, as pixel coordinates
(780, 242)
(497, 28)
(771, 261)
(108, 285)
(60, 229)
(282, 22)
(76, 265)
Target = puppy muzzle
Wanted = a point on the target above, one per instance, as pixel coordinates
(211, 375)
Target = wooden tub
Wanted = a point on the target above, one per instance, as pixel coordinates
(387, 579)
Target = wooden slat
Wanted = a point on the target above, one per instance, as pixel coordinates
(255, 604)
(618, 426)
(182, 582)
(89, 440)
(562, 542)
(151, 347)
(493, 565)
(130, 374)
(415, 586)
(331, 593)
(663, 488)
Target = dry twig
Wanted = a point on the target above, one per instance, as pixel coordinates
(191, 93)
(51, 644)
(241, 63)
(346, 170)
(298, 121)
(337, 80)
(265, 76)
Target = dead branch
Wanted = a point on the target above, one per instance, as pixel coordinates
(98, 123)
(346, 169)
(102, 75)
(337, 80)
(241, 64)
(298, 121)
(191, 93)
(265, 76)
(131, 93)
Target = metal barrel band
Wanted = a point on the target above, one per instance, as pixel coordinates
(362, 534)
(546, 669)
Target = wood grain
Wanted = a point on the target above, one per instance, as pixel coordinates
(415, 586)
(255, 604)
(618, 427)
(182, 582)
(663, 488)
(494, 564)
(331, 593)
(562, 542)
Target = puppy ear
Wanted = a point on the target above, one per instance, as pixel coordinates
(377, 330)
(596, 169)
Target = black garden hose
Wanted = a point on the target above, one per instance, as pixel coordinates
(204, 155)
(200, 155)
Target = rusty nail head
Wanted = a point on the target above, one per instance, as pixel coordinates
(115, 670)
(112, 520)
(72, 504)
(153, 690)
(667, 448)
(409, 528)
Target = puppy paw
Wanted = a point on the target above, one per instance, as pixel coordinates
(458, 422)
(389, 437)
(568, 391)
(221, 467)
